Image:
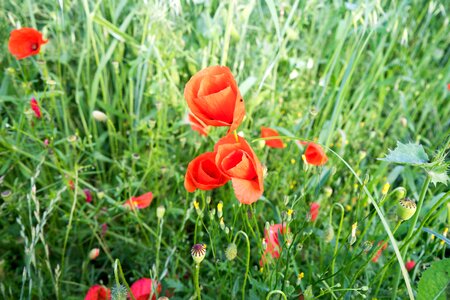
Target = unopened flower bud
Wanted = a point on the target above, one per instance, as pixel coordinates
(99, 116)
(328, 191)
(406, 209)
(6, 194)
(160, 211)
(386, 188)
(198, 253)
(219, 209)
(329, 234)
(399, 193)
(352, 238)
(231, 251)
(222, 224)
(93, 254)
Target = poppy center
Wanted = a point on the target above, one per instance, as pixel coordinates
(34, 46)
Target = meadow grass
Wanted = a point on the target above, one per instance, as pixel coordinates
(356, 78)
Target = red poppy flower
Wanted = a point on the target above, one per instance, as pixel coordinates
(35, 107)
(314, 211)
(25, 42)
(269, 132)
(88, 195)
(202, 173)
(143, 288)
(198, 125)
(214, 98)
(378, 254)
(315, 155)
(410, 265)
(142, 201)
(98, 292)
(272, 241)
(237, 160)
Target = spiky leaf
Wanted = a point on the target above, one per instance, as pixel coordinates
(439, 174)
(410, 154)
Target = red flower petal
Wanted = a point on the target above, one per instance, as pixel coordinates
(98, 292)
(315, 155)
(25, 42)
(35, 107)
(269, 132)
(143, 288)
(142, 201)
(314, 211)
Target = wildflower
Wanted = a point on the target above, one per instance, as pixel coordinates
(88, 195)
(385, 189)
(93, 254)
(198, 253)
(222, 224)
(98, 292)
(213, 97)
(202, 173)
(99, 116)
(231, 251)
(314, 155)
(160, 212)
(269, 132)
(289, 214)
(143, 288)
(35, 107)
(314, 211)
(352, 238)
(198, 125)
(219, 209)
(410, 265)
(139, 202)
(72, 139)
(379, 251)
(104, 228)
(236, 160)
(25, 42)
(271, 239)
(406, 209)
(71, 184)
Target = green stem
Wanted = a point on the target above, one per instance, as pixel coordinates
(337, 238)
(247, 267)
(411, 231)
(197, 286)
(118, 271)
(276, 292)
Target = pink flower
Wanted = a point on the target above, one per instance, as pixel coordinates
(410, 265)
(88, 195)
(143, 288)
(35, 107)
(314, 211)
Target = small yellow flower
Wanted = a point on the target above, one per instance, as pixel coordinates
(304, 159)
(196, 204)
(292, 161)
(386, 188)
(290, 212)
(219, 209)
(444, 234)
(301, 276)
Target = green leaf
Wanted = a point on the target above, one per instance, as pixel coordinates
(435, 281)
(410, 154)
(439, 174)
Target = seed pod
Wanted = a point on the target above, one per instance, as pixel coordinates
(406, 209)
(198, 253)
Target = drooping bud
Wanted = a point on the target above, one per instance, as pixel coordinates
(99, 116)
(406, 209)
(329, 233)
(328, 191)
(231, 251)
(352, 237)
(93, 254)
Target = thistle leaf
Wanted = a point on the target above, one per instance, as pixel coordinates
(409, 154)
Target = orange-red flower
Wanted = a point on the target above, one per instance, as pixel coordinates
(410, 265)
(314, 211)
(213, 97)
(315, 155)
(35, 107)
(98, 292)
(271, 238)
(143, 288)
(202, 173)
(198, 125)
(25, 42)
(269, 132)
(237, 160)
(142, 201)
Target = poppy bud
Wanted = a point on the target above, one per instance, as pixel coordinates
(198, 253)
(406, 209)
(328, 191)
(99, 116)
(399, 193)
(160, 212)
(410, 265)
(329, 234)
(231, 251)
(93, 254)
